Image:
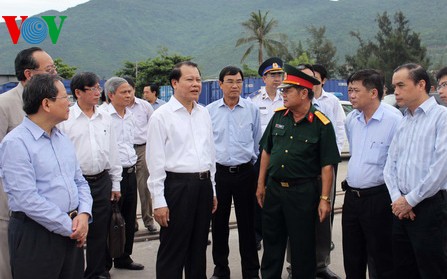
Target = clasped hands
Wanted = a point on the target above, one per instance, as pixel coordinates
(402, 209)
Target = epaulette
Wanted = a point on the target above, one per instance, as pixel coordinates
(322, 117)
(280, 109)
(254, 94)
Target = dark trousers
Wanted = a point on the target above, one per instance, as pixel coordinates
(37, 253)
(98, 229)
(258, 209)
(183, 242)
(420, 246)
(240, 187)
(366, 229)
(128, 208)
(289, 213)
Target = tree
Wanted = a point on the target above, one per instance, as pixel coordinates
(152, 70)
(64, 70)
(259, 29)
(321, 50)
(249, 72)
(395, 45)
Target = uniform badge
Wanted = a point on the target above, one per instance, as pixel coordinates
(279, 126)
(275, 66)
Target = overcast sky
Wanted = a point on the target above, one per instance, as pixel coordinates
(32, 7)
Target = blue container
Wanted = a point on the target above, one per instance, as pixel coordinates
(337, 86)
(165, 92)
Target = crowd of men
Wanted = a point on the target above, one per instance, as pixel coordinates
(274, 156)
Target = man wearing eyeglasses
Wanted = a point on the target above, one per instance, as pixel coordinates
(28, 62)
(441, 77)
(237, 131)
(49, 199)
(92, 132)
(119, 92)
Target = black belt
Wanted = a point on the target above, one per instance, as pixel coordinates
(189, 175)
(138, 145)
(129, 169)
(95, 177)
(22, 216)
(361, 193)
(234, 169)
(286, 183)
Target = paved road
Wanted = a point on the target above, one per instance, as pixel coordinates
(145, 248)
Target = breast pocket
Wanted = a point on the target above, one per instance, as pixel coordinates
(245, 134)
(377, 152)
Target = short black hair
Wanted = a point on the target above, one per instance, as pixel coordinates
(321, 70)
(371, 79)
(38, 88)
(176, 73)
(25, 60)
(154, 88)
(416, 74)
(81, 80)
(306, 66)
(130, 81)
(230, 71)
(441, 73)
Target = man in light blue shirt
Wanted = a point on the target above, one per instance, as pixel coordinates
(367, 219)
(237, 132)
(416, 178)
(48, 197)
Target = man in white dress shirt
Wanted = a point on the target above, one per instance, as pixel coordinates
(92, 133)
(142, 111)
(119, 92)
(181, 159)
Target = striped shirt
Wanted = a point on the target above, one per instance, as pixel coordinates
(418, 154)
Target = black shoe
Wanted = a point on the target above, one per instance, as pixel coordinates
(258, 245)
(104, 275)
(152, 229)
(130, 266)
(327, 274)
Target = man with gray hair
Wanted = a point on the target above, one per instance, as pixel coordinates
(119, 93)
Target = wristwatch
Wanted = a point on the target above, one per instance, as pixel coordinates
(325, 198)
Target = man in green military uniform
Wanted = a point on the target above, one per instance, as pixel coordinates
(299, 149)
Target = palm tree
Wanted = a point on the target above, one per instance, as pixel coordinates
(259, 34)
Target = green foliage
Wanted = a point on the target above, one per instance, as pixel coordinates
(302, 59)
(64, 70)
(259, 29)
(321, 49)
(395, 45)
(249, 72)
(152, 70)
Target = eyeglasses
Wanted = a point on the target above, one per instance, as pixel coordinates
(93, 89)
(441, 86)
(233, 82)
(50, 69)
(64, 97)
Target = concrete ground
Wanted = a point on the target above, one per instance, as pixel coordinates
(146, 246)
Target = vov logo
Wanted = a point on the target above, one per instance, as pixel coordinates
(34, 30)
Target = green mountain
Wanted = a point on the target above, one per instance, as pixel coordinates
(101, 34)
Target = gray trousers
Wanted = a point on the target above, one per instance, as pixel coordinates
(323, 237)
(143, 191)
(5, 268)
